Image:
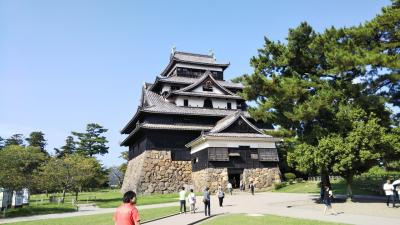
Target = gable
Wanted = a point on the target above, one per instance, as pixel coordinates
(240, 126)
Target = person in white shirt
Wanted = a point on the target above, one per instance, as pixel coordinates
(388, 188)
(229, 186)
(192, 201)
(182, 200)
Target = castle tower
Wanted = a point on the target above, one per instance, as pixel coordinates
(191, 128)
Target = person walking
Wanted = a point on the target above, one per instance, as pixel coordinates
(396, 189)
(388, 188)
(206, 200)
(221, 196)
(182, 200)
(241, 187)
(229, 186)
(127, 213)
(327, 200)
(192, 201)
(252, 187)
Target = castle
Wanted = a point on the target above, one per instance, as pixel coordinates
(192, 128)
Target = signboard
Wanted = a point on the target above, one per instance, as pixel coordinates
(25, 196)
(5, 198)
(17, 199)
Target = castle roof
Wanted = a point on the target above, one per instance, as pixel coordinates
(155, 103)
(194, 59)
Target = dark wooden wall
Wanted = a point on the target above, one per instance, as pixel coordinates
(243, 161)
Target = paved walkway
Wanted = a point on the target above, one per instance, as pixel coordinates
(292, 205)
(366, 212)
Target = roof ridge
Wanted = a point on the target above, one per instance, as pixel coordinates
(193, 54)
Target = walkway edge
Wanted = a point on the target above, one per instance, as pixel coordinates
(160, 218)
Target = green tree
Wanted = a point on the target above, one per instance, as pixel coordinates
(15, 139)
(36, 139)
(92, 142)
(1, 143)
(308, 86)
(70, 173)
(17, 164)
(68, 149)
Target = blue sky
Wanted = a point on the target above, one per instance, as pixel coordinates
(64, 64)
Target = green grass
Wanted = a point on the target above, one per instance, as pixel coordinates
(109, 198)
(338, 187)
(39, 204)
(103, 219)
(38, 210)
(244, 219)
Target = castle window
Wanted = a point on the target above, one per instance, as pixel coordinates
(218, 154)
(208, 103)
(229, 105)
(268, 154)
(185, 102)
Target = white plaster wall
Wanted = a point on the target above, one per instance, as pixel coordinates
(199, 102)
(215, 90)
(222, 103)
(193, 101)
(253, 143)
(166, 87)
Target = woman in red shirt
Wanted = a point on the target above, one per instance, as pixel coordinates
(127, 213)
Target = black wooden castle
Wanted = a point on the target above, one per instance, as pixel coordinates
(191, 113)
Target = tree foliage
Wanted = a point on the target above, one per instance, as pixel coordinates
(92, 142)
(67, 149)
(17, 165)
(15, 139)
(36, 139)
(327, 93)
(70, 173)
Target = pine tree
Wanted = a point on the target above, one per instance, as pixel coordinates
(36, 139)
(15, 139)
(91, 142)
(68, 149)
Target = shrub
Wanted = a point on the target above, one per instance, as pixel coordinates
(279, 185)
(290, 176)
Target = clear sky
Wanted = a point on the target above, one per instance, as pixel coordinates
(64, 64)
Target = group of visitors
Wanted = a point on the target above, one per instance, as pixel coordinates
(127, 213)
(392, 192)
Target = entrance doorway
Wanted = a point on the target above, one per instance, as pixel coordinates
(235, 176)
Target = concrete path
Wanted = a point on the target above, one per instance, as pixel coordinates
(292, 205)
(83, 211)
(365, 212)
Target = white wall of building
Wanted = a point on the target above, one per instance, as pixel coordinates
(215, 90)
(232, 143)
(199, 102)
(166, 87)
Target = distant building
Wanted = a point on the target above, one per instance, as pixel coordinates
(192, 128)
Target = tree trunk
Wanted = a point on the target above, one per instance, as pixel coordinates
(325, 179)
(76, 196)
(349, 183)
(63, 196)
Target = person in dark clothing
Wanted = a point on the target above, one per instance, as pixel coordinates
(221, 196)
(252, 186)
(327, 200)
(206, 200)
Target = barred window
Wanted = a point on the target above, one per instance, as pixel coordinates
(268, 154)
(218, 154)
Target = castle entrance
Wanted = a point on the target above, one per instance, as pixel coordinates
(235, 175)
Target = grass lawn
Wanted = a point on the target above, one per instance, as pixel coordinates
(109, 198)
(338, 187)
(103, 219)
(47, 208)
(39, 204)
(244, 219)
